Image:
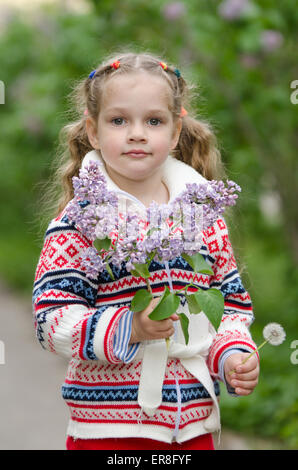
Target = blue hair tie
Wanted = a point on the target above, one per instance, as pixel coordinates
(92, 74)
(177, 73)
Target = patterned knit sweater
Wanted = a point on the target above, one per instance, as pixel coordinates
(89, 322)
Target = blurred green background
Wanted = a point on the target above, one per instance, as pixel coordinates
(242, 55)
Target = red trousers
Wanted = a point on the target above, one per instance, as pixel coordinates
(204, 442)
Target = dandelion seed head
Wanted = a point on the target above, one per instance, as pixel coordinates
(274, 334)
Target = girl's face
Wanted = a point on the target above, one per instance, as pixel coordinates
(134, 115)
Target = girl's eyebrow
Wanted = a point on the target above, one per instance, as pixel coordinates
(119, 109)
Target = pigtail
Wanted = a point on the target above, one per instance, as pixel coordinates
(197, 147)
(77, 145)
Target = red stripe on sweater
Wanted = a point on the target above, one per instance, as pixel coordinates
(100, 383)
(240, 307)
(125, 421)
(83, 339)
(128, 382)
(133, 421)
(136, 406)
(124, 296)
(227, 346)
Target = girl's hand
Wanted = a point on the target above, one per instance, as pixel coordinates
(245, 379)
(144, 329)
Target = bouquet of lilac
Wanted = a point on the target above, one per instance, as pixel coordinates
(167, 231)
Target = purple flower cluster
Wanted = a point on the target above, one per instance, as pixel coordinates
(271, 40)
(167, 231)
(129, 243)
(92, 262)
(93, 209)
(200, 205)
(233, 9)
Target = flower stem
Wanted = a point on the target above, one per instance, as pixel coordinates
(248, 357)
(148, 286)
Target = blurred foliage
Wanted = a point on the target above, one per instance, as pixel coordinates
(243, 62)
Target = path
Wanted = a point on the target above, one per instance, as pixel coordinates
(32, 412)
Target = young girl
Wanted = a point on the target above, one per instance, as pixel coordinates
(124, 389)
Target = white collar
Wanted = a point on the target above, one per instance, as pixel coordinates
(175, 175)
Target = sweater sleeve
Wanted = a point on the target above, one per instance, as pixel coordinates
(67, 320)
(233, 331)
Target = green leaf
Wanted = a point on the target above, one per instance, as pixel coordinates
(153, 229)
(198, 264)
(102, 244)
(184, 325)
(141, 270)
(166, 307)
(141, 300)
(212, 303)
(110, 271)
(193, 304)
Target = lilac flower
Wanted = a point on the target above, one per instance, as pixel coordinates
(213, 198)
(92, 263)
(173, 11)
(249, 61)
(93, 209)
(271, 40)
(233, 9)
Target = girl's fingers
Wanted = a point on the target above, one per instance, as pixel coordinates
(243, 391)
(248, 366)
(248, 375)
(163, 334)
(174, 317)
(164, 325)
(245, 385)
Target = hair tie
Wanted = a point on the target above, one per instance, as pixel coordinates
(163, 65)
(116, 64)
(92, 74)
(183, 112)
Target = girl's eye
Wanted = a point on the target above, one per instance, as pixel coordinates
(155, 120)
(119, 121)
(116, 121)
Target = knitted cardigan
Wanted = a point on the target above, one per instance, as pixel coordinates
(89, 322)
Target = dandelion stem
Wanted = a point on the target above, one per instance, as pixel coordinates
(248, 357)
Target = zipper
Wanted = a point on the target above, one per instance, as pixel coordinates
(179, 404)
(178, 391)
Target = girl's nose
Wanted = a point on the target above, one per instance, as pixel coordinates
(136, 132)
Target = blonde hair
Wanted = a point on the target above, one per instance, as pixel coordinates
(197, 145)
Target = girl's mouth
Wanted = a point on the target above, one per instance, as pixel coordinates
(137, 155)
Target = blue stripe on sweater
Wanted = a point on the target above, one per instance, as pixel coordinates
(69, 284)
(130, 392)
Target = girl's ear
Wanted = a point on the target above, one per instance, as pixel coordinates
(92, 133)
(176, 133)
